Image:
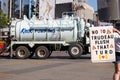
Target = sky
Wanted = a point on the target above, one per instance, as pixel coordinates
(93, 3)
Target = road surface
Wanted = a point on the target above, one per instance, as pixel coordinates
(57, 67)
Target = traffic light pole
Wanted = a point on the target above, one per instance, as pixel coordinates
(20, 16)
(10, 15)
(30, 7)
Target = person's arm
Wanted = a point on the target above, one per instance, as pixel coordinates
(116, 30)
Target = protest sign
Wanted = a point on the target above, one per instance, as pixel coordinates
(102, 44)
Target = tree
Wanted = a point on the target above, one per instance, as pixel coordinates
(3, 19)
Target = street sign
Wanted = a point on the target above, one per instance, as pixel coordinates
(102, 44)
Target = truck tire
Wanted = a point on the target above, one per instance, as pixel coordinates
(75, 50)
(42, 52)
(22, 52)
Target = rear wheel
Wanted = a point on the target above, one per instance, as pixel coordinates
(75, 50)
(42, 52)
(22, 52)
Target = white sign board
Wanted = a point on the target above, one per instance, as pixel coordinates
(102, 44)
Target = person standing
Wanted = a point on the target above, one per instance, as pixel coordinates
(116, 75)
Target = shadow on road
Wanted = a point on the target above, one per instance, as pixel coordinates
(68, 57)
(51, 57)
(4, 57)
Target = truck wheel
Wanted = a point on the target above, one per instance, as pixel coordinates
(22, 52)
(75, 50)
(42, 52)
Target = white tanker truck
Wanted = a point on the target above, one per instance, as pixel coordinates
(26, 37)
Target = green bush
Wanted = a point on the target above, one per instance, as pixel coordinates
(3, 19)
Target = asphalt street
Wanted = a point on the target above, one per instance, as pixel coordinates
(58, 67)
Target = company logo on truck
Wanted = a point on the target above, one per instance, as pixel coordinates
(24, 30)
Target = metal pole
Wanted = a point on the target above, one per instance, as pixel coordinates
(20, 16)
(39, 9)
(30, 4)
(10, 15)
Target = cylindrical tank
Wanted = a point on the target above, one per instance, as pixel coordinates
(45, 30)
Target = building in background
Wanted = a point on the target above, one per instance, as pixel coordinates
(17, 8)
(109, 10)
(62, 6)
(0, 4)
(83, 9)
(45, 8)
(4, 6)
(54, 8)
(21, 7)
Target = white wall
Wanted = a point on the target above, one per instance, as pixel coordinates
(46, 8)
(63, 1)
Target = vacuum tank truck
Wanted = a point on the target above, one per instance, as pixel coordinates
(37, 37)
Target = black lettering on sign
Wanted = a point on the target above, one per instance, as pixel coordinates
(102, 42)
(103, 47)
(96, 52)
(111, 51)
(101, 52)
(95, 32)
(103, 31)
(106, 52)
